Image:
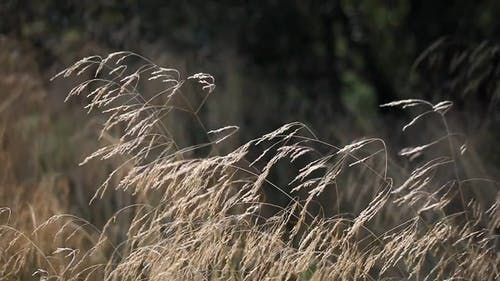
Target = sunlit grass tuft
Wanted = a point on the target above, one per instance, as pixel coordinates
(342, 213)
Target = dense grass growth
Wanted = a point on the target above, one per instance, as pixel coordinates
(197, 212)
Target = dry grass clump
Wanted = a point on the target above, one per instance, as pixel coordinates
(339, 215)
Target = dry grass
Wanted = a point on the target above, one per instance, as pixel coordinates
(198, 214)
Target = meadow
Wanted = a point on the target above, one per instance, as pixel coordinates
(161, 195)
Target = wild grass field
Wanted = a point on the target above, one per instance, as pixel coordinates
(285, 205)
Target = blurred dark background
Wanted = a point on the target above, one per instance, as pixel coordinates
(328, 64)
(309, 60)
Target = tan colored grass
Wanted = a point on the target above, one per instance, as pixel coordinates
(213, 217)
